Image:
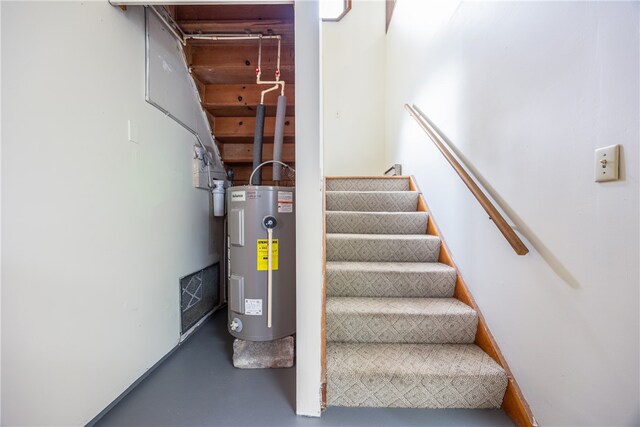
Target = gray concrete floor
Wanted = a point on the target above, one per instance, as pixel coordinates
(198, 386)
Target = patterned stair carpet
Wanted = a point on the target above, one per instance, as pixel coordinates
(396, 337)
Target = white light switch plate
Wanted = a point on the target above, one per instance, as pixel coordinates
(607, 163)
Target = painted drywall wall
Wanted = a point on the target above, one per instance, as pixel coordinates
(353, 75)
(526, 91)
(309, 248)
(96, 230)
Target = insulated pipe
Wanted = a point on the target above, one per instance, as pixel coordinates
(279, 137)
(257, 141)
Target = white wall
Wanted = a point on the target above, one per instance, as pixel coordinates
(171, 87)
(353, 75)
(526, 91)
(96, 230)
(308, 208)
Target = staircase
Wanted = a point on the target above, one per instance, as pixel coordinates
(396, 336)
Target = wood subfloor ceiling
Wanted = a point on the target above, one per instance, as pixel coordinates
(224, 72)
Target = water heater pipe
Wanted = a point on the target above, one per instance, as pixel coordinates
(257, 140)
(278, 138)
(266, 163)
(269, 275)
(276, 83)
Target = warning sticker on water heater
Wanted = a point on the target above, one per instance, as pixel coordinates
(263, 254)
(253, 307)
(285, 202)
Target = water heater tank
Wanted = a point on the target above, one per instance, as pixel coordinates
(252, 211)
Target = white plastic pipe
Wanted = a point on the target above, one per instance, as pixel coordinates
(269, 275)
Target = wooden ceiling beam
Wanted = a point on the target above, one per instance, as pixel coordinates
(241, 130)
(215, 54)
(237, 127)
(237, 74)
(239, 111)
(241, 100)
(244, 95)
(249, 139)
(234, 12)
(243, 153)
(265, 27)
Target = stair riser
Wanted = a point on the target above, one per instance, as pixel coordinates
(377, 223)
(355, 249)
(372, 201)
(390, 284)
(438, 392)
(368, 184)
(419, 328)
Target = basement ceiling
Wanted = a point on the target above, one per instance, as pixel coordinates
(225, 75)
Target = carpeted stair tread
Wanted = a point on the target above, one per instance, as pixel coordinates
(400, 320)
(390, 279)
(367, 184)
(382, 247)
(377, 222)
(372, 201)
(413, 376)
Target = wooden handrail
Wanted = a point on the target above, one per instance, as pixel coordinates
(494, 215)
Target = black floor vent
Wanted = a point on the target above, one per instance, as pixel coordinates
(199, 294)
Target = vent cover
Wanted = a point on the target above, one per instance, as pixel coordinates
(199, 294)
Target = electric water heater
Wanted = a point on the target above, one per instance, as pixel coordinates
(261, 256)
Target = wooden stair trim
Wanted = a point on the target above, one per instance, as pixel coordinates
(323, 309)
(346, 9)
(513, 403)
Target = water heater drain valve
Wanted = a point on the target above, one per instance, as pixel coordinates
(236, 325)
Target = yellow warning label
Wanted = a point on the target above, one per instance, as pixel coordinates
(263, 254)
